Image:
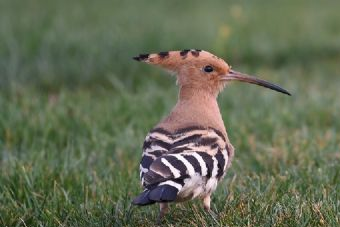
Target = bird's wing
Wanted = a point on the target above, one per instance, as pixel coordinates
(157, 143)
(193, 151)
(169, 159)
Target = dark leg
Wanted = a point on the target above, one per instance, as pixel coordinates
(163, 209)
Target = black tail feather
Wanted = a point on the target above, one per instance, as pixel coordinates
(143, 199)
(163, 193)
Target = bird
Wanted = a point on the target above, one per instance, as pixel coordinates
(188, 152)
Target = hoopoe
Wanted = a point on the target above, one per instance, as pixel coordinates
(186, 154)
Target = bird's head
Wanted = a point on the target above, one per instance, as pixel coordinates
(201, 70)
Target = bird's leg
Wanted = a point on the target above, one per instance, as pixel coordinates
(206, 203)
(163, 209)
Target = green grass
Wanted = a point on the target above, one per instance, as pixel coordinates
(74, 110)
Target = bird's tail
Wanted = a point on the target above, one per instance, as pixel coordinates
(160, 193)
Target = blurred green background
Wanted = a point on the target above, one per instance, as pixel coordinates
(75, 107)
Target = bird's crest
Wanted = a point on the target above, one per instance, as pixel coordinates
(201, 69)
(171, 60)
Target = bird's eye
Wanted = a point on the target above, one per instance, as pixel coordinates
(208, 69)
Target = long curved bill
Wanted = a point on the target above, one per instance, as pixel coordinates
(234, 75)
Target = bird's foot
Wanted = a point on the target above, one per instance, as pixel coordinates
(163, 209)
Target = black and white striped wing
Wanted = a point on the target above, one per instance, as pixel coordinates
(171, 160)
(195, 152)
(157, 143)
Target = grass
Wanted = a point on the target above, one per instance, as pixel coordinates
(75, 110)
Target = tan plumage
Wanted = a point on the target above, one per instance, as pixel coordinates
(188, 152)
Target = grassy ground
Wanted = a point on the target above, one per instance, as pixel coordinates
(74, 110)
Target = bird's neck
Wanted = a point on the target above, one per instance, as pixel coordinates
(195, 107)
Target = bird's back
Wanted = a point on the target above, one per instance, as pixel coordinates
(183, 164)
